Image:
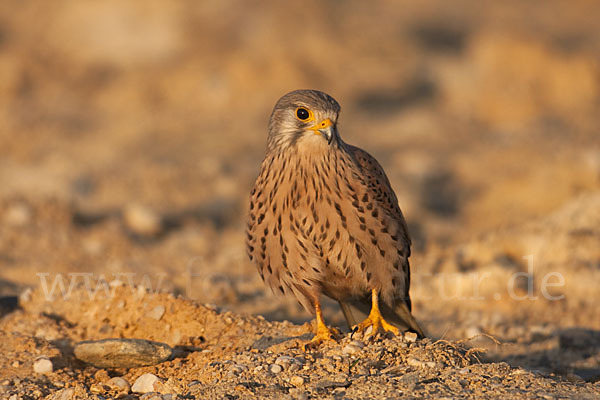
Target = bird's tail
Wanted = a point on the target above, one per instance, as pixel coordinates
(357, 310)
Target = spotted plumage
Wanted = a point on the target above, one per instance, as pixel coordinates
(324, 219)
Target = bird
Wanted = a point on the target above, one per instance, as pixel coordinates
(324, 221)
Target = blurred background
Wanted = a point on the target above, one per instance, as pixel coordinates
(131, 134)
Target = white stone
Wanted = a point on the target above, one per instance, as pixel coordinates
(410, 337)
(43, 365)
(145, 383)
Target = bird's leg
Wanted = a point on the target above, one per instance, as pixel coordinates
(375, 319)
(323, 333)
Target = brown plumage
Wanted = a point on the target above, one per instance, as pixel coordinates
(325, 220)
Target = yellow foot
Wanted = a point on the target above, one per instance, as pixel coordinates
(377, 324)
(375, 321)
(323, 334)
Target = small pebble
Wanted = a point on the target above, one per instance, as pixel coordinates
(353, 347)
(276, 368)
(300, 360)
(237, 369)
(43, 365)
(284, 360)
(575, 378)
(145, 383)
(413, 362)
(410, 337)
(15, 364)
(141, 220)
(120, 384)
(297, 380)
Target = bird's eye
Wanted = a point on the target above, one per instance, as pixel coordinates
(302, 113)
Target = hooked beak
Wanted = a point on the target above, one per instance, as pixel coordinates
(326, 129)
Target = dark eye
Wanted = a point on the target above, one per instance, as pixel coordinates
(302, 113)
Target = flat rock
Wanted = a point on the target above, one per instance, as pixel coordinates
(122, 353)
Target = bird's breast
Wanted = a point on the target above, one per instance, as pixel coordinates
(315, 225)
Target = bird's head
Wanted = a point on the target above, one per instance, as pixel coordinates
(303, 116)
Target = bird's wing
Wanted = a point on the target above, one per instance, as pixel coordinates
(379, 186)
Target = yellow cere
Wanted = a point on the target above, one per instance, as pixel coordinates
(322, 125)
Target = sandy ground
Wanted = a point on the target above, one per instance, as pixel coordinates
(130, 136)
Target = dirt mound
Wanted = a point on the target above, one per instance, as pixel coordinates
(224, 355)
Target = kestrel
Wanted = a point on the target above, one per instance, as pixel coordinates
(324, 220)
